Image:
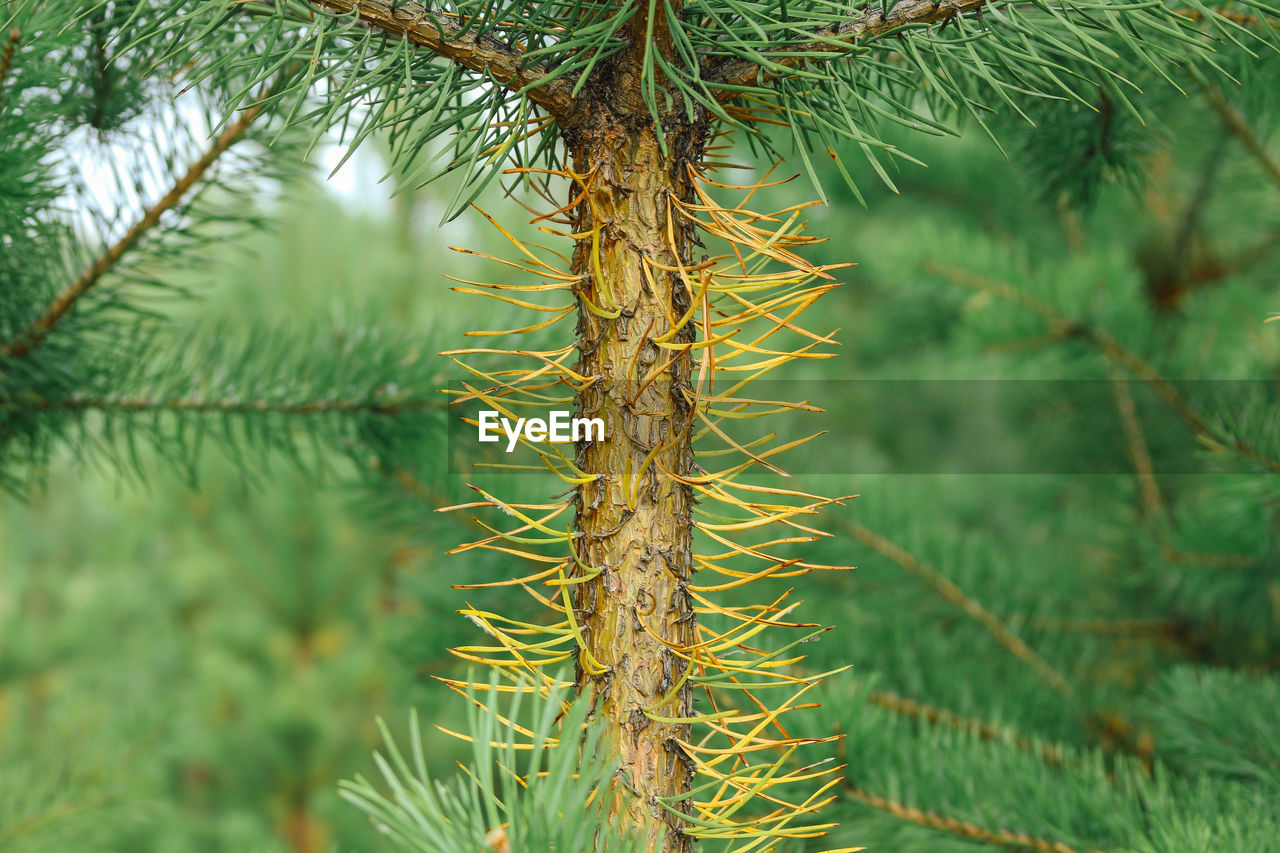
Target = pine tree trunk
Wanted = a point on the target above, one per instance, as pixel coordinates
(634, 520)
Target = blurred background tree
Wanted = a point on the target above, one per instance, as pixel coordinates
(1053, 661)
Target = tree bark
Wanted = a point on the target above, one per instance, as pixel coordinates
(633, 521)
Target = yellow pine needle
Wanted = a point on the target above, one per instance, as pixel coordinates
(489, 618)
(586, 660)
(774, 490)
(508, 536)
(541, 270)
(743, 614)
(523, 330)
(515, 288)
(746, 742)
(706, 343)
(744, 579)
(632, 485)
(803, 298)
(511, 509)
(763, 183)
(770, 572)
(725, 667)
(740, 348)
(744, 451)
(720, 642)
(769, 515)
(515, 581)
(660, 369)
(548, 603)
(694, 304)
(543, 355)
(521, 247)
(746, 412)
(754, 551)
(516, 663)
(488, 399)
(511, 300)
(546, 685)
(706, 453)
(528, 747)
(760, 367)
(766, 311)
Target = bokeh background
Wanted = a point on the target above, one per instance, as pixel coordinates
(192, 668)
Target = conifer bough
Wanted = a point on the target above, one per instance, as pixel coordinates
(614, 114)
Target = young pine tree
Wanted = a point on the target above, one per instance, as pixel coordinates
(661, 298)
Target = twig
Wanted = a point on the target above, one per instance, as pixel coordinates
(1213, 561)
(1205, 188)
(952, 593)
(1117, 627)
(1109, 346)
(1145, 474)
(54, 813)
(1139, 455)
(448, 38)
(839, 37)
(933, 715)
(229, 406)
(6, 55)
(418, 489)
(101, 66)
(1241, 18)
(35, 335)
(876, 20)
(963, 828)
(932, 820)
(1239, 125)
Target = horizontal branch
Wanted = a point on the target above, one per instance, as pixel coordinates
(1110, 348)
(874, 21)
(444, 36)
(230, 406)
(53, 814)
(1107, 627)
(6, 54)
(1236, 122)
(839, 38)
(962, 828)
(910, 708)
(62, 304)
(952, 593)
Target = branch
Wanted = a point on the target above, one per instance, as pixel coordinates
(1107, 627)
(232, 406)
(1241, 18)
(6, 54)
(954, 595)
(484, 54)
(35, 335)
(838, 38)
(1139, 454)
(935, 716)
(962, 828)
(875, 21)
(1239, 125)
(1111, 348)
(53, 814)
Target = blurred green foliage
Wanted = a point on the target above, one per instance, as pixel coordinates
(192, 670)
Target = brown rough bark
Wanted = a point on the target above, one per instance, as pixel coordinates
(633, 521)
